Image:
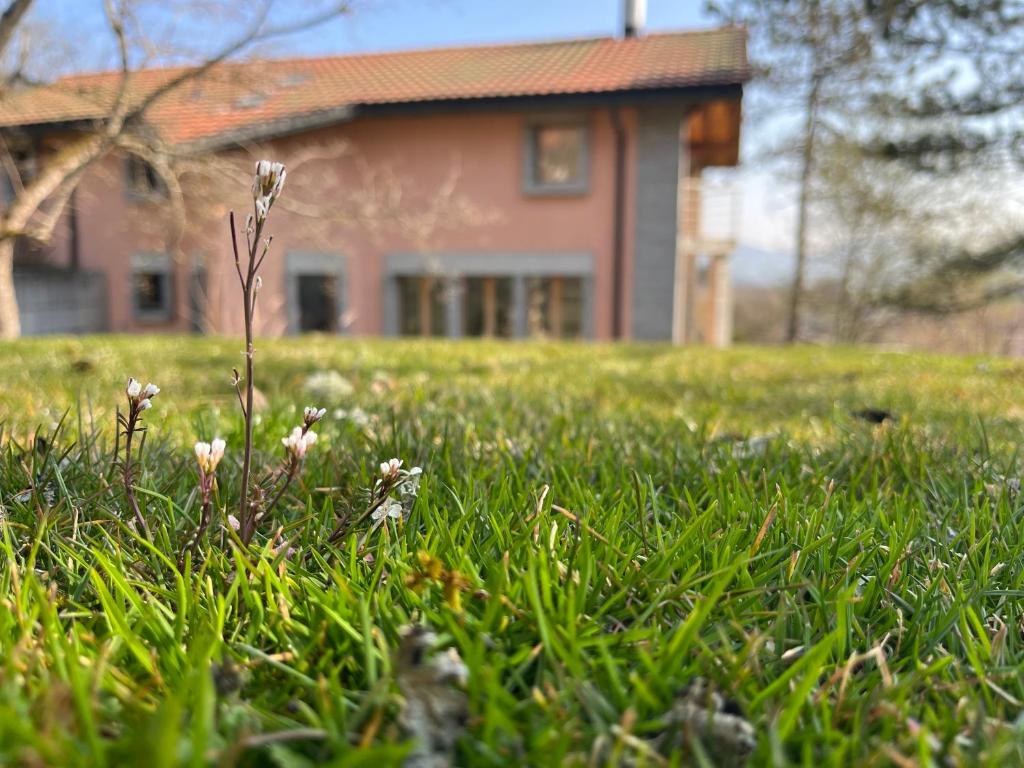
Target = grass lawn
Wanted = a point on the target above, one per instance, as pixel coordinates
(637, 552)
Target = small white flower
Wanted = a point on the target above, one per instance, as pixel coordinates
(134, 388)
(390, 508)
(298, 443)
(209, 455)
(233, 522)
(292, 439)
(389, 469)
(145, 404)
(266, 186)
(202, 452)
(151, 390)
(311, 415)
(217, 448)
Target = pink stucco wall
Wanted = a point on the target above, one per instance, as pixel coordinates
(481, 151)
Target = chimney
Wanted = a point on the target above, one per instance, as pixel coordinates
(635, 14)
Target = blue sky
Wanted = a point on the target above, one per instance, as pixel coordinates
(391, 24)
(376, 25)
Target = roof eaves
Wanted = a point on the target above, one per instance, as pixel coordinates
(725, 88)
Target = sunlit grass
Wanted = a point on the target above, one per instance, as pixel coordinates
(855, 589)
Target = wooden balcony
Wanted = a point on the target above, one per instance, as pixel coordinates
(709, 217)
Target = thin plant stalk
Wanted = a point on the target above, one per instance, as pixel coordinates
(139, 401)
(267, 184)
(247, 527)
(126, 469)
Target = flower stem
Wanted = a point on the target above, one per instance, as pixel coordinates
(247, 526)
(129, 489)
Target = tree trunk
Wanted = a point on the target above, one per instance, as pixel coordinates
(797, 291)
(10, 323)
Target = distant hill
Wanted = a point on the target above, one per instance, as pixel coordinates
(755, 266)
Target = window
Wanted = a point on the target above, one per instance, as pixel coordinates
(315, 286)
(554, 307)
(318, 306)
(142, 181)
(488, 307)
(152, 287)
(421, 307)
(556, 159)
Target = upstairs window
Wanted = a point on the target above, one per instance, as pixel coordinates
(142, 182)
(556, 159)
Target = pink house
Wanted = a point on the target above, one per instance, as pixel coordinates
(545, 189)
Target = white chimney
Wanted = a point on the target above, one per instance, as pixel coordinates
(635, 16)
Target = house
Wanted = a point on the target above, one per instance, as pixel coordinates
(548, 189)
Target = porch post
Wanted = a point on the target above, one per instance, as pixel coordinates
(719, 301)
(519, 306)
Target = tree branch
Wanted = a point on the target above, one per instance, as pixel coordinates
(9, 21)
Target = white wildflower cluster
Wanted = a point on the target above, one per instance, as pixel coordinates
(209, 455)
(357, 416)
(405, 482)
(302, 438)
(140, 397)
(390, 469)
(266, 186)
(328, 386)
(298, 442)
(311, 415)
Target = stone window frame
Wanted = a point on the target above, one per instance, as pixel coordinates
(532, 187)
(298, 263)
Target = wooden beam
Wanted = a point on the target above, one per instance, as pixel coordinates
(490, 306)
(555, 306)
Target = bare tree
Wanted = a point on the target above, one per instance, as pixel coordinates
(40, 199)
(807, 54)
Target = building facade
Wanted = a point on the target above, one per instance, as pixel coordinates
(548, 190)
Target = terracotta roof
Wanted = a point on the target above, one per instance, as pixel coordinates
(235, 97)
